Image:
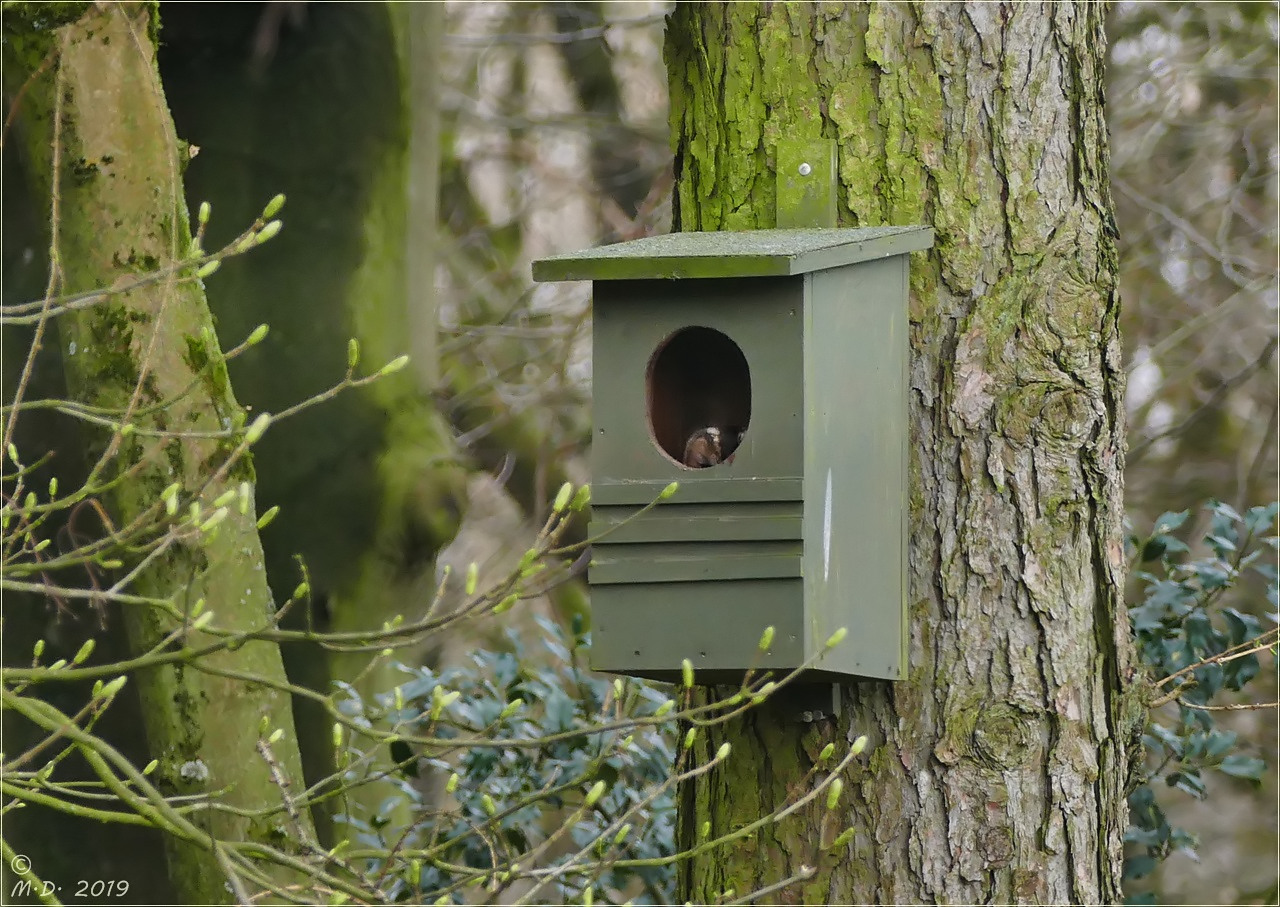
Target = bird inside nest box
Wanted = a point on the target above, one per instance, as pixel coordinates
(766, 373)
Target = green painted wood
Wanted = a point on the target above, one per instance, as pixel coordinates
(720, 521)
(855, 465)
(631, 321)
(754, 253)
(694, 489)
(648, 629)
(670, 562)
(806, 183)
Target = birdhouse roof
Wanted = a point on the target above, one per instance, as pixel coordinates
(749, 253)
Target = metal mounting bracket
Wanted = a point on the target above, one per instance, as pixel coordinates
(806, 183)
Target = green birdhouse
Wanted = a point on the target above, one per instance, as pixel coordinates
(766, 373)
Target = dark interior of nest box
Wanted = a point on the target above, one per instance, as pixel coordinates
(697, 378)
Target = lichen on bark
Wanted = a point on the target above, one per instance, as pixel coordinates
(999, 766)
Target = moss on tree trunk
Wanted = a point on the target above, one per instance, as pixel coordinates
(120, 212)
(999, 767)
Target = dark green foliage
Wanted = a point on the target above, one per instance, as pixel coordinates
(1199, 647)
(533, 789)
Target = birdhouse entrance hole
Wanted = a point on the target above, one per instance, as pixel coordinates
(697, 379)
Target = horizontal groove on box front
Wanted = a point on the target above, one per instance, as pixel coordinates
(671, 562)
(755, 521)
(700, 490)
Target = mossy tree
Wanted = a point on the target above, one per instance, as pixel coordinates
(369, 485)
(104, 163)
(999, 765)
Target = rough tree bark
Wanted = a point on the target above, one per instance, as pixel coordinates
(120, 212)
(998, 768)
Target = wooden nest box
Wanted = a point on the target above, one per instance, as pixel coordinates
(793, 346)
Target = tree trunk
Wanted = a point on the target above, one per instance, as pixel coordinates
(997, 770)
(120, 212)
(369, 485)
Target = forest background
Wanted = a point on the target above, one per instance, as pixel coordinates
(539, 128)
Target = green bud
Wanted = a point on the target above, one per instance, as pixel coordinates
(506, 604)
(337, 736)
(399, 698)
(581, 499)
(53, 487)
(827, 752)
(38, 649)
(13, 455)
(393, 366)
(300, 591)
(58, 665)
(257, 428)
(859, 745)
(705, 830)
(588, 896)
(85, 651)
(668, 491)
(170, 498)
(208, 268)
(690, 736)
(217, 517)
(268, 232)
(245, 491)
(265, 520)
(842, 839)
(276, 736)
(258, 334)
(273, 207)
(151, 766)
(597, 790)
(113, 687)
(511, 708)
(833, 793)
(766, 639)
(202, 621)
(353, 352)
(723, 752)
(44, 543)
(203, 213)
(473, 577)
(664, 708)
(452, 784)
(533, 569)
(489, 806)
(622, 834)
(837, 637)
(686, 667)
(225, 498)
(562, 498)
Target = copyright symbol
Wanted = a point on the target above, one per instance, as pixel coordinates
(20, 864)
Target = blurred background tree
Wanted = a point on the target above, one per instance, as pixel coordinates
(1192, 107)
